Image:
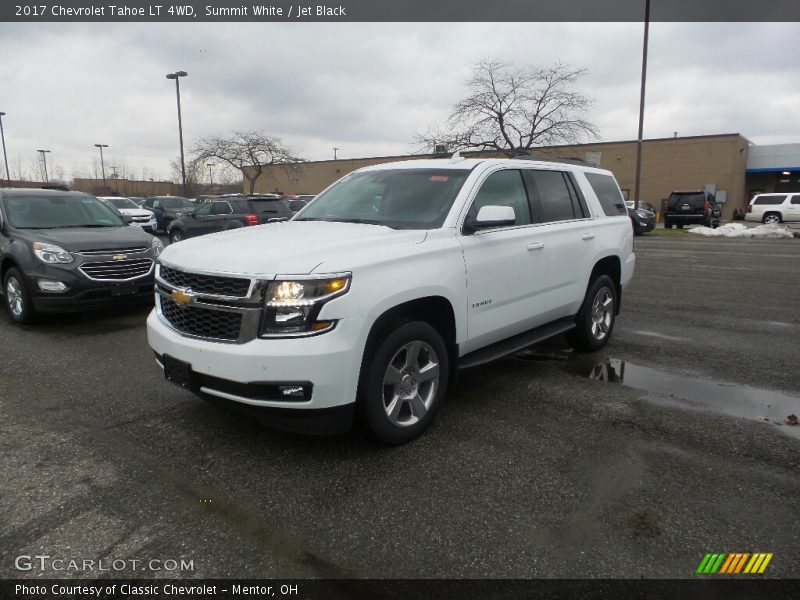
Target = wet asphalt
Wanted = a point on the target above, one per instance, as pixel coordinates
(543, 465)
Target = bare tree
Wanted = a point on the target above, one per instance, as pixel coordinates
(511, 109)
(247, 151)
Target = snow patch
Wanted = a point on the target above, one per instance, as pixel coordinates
(737, 230)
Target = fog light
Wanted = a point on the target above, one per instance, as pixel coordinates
(51, 285)
(292, 391)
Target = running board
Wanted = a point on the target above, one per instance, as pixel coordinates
(515, 344)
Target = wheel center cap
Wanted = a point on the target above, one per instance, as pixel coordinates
(408, 386)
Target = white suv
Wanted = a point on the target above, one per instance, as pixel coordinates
(774, 208)
(367, 302)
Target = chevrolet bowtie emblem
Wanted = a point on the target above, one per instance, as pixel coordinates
(182, 297)
(120, 256)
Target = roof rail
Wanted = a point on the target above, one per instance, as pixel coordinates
(567, 160)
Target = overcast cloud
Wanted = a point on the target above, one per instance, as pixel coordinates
(367, 88)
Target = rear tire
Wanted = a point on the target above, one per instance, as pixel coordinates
(679, 226)
(667, 224)
(772, 219)
(17, 299)
(175, 236)
(404, 383)
(595, 319)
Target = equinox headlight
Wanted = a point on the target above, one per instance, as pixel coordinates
(51, 254)
(643, 213)
(157, 246)
(291, 306)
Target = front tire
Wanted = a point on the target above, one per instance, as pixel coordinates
(772, 219)
(595, 319)
(404, 383)
(175, 236)
(18, 300)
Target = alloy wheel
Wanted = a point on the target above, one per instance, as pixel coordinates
(602, 313)
(410, 383)
(14, 296)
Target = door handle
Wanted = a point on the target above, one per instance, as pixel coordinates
(587, 236)
(536, 246)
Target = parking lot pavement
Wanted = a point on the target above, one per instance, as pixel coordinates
(531, 470)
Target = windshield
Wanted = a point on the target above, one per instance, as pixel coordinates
(397, 198)
(176, 202)
(47, 212)
(122, 202)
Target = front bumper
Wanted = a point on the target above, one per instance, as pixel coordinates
(329, 364)
(83, 293)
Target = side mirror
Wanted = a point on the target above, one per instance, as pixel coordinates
(495, 216)
(128, 219)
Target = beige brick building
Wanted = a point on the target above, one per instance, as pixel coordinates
(667, 164)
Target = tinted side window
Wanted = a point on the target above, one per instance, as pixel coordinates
(608, 193)
(553, 198)
(220, 208)
(578, 201)
(503, 188)
(769, 200)
(795, 199)
(203, 210)
(272, 207)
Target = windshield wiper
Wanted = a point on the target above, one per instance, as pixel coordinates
(365, 222)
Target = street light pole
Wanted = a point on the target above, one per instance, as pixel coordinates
(210, 175)
(176, 76)
(102, 164)
(44, 160)
(5, 156)
(335, 151)
(637, 185)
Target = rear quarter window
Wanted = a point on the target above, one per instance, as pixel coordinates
(607, 191)
(761, 200)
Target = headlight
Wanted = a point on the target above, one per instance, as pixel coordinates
(291, 306)
(51, 254)
(157, 246)
(643, 213)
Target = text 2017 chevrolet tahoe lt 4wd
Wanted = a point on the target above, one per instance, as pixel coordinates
(367, 302)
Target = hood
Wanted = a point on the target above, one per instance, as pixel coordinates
(136, 212)
(287, 248)
(91, 238)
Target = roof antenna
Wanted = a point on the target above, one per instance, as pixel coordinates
(456, 157)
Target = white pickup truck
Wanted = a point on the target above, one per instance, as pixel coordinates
(364, 305)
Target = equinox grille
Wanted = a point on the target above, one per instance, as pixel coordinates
(117, 270)
(202, 322)
(112, 251)
(206, 284)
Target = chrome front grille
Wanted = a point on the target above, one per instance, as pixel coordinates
(202, 322)
(144, 219)
(112, 251)
(214, 285)
(117, 270)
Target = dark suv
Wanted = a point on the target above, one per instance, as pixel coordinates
(167, 208)
(691, 207)
(229, 213)
(68, 251)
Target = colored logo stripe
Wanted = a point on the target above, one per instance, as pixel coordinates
(733, 563)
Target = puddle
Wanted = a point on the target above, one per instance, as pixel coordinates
(670, 389)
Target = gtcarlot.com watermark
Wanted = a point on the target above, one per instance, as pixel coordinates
(47, 563)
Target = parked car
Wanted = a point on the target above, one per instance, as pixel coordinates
(139, 216)
(307, 197)
(691, 207)
(68, 251)
(228, 213)
(368, 301)
(167, 208)
(774, 208)
(642, 220)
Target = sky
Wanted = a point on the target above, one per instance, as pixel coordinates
(366, 88)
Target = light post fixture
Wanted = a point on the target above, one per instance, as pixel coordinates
(210, 175)
(335, 155)
(44, 161)
(102, 163)
(153, 186)
(5, 156)
(177, 77)
(638, 180)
